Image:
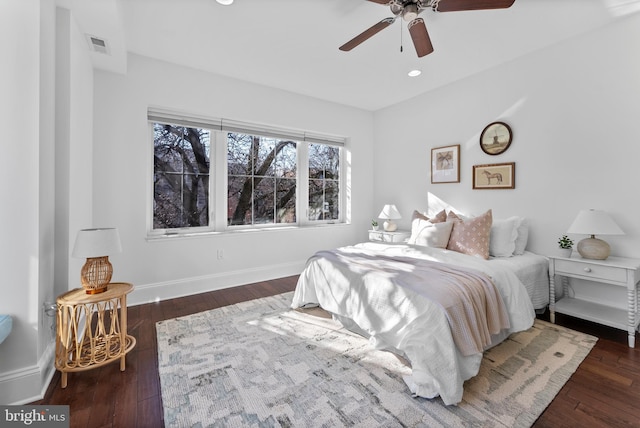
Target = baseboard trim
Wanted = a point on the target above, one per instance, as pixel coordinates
(28, 384)
(150, 293)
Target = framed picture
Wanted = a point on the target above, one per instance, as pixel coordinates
(496, 138)
(445, 164)
(494, 176)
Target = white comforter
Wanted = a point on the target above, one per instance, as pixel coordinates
(398, 319)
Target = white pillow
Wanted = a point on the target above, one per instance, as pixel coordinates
(502, 240)
(523, 237)
(434, 235)
(417, 218)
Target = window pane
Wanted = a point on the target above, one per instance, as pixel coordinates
(324, 183)
(286, 160)
(166, 201)
(255, 196)
(286, 200)
(263, 200)
(324, 161)
(239, 159)
(181, 176)
(235, 213)
(265, 152)
(331, 200)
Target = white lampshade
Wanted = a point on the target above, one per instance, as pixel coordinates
(390, 212)
(96, 243)
(594, 222)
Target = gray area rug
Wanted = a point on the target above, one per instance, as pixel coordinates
(259, 363)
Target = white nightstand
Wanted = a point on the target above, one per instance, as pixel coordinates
(614, 270)
(391, 237)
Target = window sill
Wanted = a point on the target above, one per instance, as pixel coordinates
(231, 232)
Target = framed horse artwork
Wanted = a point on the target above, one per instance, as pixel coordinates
(495, 176)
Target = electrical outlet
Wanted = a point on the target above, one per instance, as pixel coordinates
(50, 308)
(220, 255)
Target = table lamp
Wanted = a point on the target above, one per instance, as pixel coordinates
(594, 222)
(389, 213)
(96, 245)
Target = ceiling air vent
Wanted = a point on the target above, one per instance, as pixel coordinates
(97, 44)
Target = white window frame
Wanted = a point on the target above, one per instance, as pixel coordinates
(218, 173)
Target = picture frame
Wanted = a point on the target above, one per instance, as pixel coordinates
(495, 176)
(496, 138)
(445, 164)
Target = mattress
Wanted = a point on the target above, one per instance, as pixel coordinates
(533, 271)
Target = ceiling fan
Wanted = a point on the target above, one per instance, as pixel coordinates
(409, 11)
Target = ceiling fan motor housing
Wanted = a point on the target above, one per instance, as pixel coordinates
(410, 12)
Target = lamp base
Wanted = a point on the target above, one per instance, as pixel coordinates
(96, 274)
(389, 226)
(594, 248)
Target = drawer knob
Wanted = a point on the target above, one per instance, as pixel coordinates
(587, 269)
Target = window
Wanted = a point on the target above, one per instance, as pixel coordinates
(262, 179)
(215, 175)
(324, 182)
(180, 176)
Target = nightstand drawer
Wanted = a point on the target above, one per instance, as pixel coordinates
(591, 271)
(390, 237)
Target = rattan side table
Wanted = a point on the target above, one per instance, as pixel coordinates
(92, 329)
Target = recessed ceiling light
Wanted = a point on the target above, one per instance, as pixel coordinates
(414, 73)
(225, 2)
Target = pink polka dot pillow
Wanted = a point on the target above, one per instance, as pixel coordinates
(471, 236)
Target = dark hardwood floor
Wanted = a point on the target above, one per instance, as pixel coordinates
(604, 391)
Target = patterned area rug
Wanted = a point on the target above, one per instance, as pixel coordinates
(258, 363)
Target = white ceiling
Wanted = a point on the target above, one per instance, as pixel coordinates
(293, 44)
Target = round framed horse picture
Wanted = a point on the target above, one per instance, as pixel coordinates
(496, 138)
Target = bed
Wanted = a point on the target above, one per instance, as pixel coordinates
(379, 290)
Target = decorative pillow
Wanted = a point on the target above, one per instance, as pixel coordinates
(441, 217)
(433, 234)
(417, 215)
(523, 236)
(472, 236)
(426, 233)
(502, 240)
(418, 221)
(453, 216)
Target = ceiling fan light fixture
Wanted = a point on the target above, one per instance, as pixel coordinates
(225, 2)
(410, 12)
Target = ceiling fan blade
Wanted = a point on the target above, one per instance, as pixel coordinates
(459, 5)
(380, 1)
(420, 37)
(366, 34)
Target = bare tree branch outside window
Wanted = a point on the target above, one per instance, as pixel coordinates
(181, 176)
(262, 179)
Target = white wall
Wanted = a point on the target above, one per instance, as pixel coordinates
(19, 80)
(26, 84)
(47, 88)
(74, 146)
(46, 184)
(122, 174)
(573, 109)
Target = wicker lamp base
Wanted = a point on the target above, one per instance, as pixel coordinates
(96, 274)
